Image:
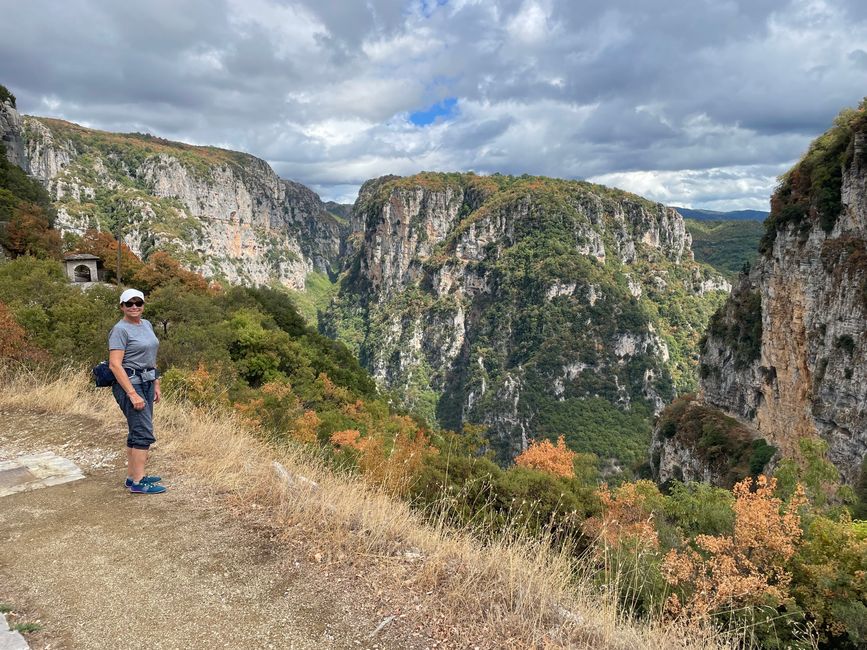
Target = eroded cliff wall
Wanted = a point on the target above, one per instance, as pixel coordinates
(786, 354)
(222, 213)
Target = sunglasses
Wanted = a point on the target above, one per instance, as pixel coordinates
(133, 303)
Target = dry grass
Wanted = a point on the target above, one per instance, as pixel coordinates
(516, 592)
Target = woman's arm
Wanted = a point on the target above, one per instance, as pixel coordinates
(115, 363)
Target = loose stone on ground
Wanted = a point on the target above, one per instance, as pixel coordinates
(35, 471)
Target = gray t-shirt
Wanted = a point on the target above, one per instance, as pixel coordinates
(138, 342)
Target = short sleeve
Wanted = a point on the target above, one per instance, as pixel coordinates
(118, 338)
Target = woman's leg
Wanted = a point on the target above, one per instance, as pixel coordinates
(140, 424)
(135, 463)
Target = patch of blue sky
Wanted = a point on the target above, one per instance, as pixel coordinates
(439, 111)
(429, 6)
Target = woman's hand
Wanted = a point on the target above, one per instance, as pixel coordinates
(137, 400)
(157, 392)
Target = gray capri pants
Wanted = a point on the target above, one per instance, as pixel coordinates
(140, 423)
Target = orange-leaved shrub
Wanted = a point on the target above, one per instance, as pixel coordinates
(28, 233)
(273, 408)
(628, 515)
(201, 386)
(162, 269)
(13, 340)
(395, 466)
(746, 568)
(544, 456)
(347, 438)
(104, 246)
(306, 427)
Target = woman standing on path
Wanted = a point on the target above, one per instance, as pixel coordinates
(132, 357)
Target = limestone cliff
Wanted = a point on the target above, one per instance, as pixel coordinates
(535, 306)
(787, 354)
(10, 134)
(222, 213)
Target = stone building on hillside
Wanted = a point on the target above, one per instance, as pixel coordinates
(82, 268)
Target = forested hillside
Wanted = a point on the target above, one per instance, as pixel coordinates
(725, 245)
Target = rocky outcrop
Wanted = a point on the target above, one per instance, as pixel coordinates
(787, 355)
(320, 234)
(695, 442)
(11, 127)
(513, 301)
(222, 213)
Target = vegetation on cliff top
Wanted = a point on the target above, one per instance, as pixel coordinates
(131, 149)
(809, 193)
(6, 96)
(717, 440)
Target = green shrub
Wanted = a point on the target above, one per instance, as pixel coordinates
(845, 343)
(828, 581)
(761, 454)
(6, 95)
(700, 509)
(859, 509)
(738, 324)
(475, 492)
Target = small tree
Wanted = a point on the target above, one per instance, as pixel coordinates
(13, 342)
(542, 455)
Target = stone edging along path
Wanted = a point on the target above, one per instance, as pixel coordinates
(10, 639)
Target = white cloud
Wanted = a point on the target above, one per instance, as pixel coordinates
(531, 23)
(408, 45)
(730, 188)
(292, 28)
(699, 104)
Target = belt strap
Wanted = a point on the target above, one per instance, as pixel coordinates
(132, 372)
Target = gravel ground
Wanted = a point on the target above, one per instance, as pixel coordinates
(97, 567)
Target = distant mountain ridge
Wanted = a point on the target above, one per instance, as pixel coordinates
(725, 245)
(713, 215)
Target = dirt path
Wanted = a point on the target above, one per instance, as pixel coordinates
(101, 568)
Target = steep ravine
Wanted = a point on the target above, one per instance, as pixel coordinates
(534, 306)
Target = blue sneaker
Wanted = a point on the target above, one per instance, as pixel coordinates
(144, 479)
(146, 488)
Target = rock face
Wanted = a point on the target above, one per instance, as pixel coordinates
(222, 213)
(787, 355)
(11, 126)
(522, 303)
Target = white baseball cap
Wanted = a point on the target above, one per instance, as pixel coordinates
(129, 294)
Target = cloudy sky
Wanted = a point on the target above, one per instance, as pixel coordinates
(690, 102)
